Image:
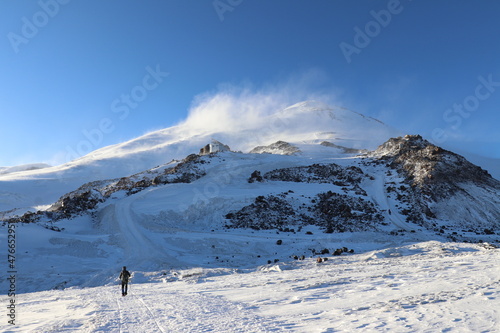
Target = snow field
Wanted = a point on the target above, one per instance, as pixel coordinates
(191, 274)
(420, 287)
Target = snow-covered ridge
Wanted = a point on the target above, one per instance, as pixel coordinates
(85, 199)
(427, 182)
(24, 167)
(444, 184)
(308, 122)
(223, 227)
(279, 147)
(213, 239)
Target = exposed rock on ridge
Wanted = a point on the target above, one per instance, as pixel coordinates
(89, 195)
(430, 167)
(443, 184)
(279, 147)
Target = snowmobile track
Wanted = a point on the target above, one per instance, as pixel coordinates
(150, 313)
(120, 316)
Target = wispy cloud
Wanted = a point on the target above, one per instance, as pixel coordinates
(238, 107)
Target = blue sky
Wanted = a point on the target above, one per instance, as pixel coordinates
(427, 67)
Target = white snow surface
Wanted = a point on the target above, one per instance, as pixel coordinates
(24, 167)
(307, 122)
(420, 287)
(191, 274)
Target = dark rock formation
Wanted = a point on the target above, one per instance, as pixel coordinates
(279, 148)
(255, 177)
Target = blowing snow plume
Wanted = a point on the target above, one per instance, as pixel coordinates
(239, 108)
(244, 117)
(241, 117)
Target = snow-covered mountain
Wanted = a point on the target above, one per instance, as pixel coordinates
(443, 184)
(24, 167)
(306, 122)
(308, 181)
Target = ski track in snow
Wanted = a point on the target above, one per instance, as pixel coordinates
(402, 284)
(136, 243)
(422, 287)
(174, 312)
(384, 202)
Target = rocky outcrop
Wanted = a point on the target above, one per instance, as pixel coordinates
(278, 148)
(441, 185)
(435, 170)
(255, 177)
(185, 172)
(348, 178)
(331, 211)
(341, 213)
(214, 147)
(266, 212)
(76, 203)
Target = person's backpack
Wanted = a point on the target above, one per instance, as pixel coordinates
(125, 275)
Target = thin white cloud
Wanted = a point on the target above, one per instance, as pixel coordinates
(239, 107)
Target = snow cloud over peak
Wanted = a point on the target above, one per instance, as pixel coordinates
(241, 107)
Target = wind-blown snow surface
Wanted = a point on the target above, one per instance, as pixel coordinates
(303, 122)
(191, 274)
(24, 167)
(422, 287)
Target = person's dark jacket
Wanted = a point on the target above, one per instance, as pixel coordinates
(124, 276)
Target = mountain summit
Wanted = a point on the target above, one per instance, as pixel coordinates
(303, 123)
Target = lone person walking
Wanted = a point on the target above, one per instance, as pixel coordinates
(124, 276)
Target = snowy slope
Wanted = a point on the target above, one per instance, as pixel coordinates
(304, 122)
(180, 223)
(422, 287)
(175, 225)
(192, 275)
(24, 167)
